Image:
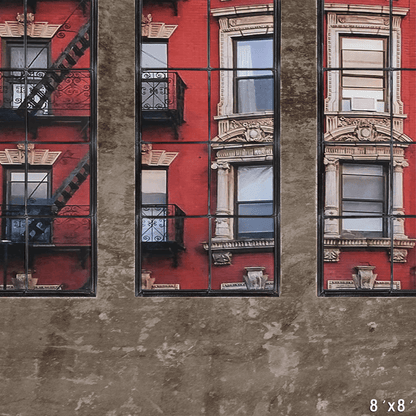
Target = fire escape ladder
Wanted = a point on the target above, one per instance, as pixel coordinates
(59, 70)
(71, 184)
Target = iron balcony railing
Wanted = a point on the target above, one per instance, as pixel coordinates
(71, 96)
(162, 226)
(39, 227)
(163, 97)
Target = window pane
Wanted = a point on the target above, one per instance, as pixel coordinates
(361, 208)
(362, 59)
(256, 53)
(37, 191)
(255, 227)
(255, 183)
(363, 82)
(363, 44)
(154, 187)
(259, 208)
(38, 176)
(363, 224)
(361, 169)
(17, 192)
(37, 56)
(255, 94)
(154, 55)
(17, 176)
(363, 187)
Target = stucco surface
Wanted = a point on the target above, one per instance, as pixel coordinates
(117, 355)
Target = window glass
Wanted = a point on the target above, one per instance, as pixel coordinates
(255, 183)
(255, 87)
(363, 89)
(154, 187)
(154, 55)
(36, 56)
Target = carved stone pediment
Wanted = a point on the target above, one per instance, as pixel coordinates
(153, 157)
(363, 130)
(158, 30)
(246, 131)
(16, 29)
(34, 156)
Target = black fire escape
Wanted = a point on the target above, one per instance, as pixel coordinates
(42, 212)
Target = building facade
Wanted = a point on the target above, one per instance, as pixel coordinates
(368, 147)
(46, 147)
(208, 140)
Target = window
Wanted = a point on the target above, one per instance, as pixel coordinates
(35, 59)
(154, 209)
(254, 88)
(364, 194)
(366, 89)
(254, 198)
(154, 55)
(35, 189)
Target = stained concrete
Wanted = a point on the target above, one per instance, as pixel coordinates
(117, 355)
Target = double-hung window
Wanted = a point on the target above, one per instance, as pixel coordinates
(154, 208)
(253, 85)
(364, 195)
(35, 58)
(34, 188)
(255, 201)
(364, 89)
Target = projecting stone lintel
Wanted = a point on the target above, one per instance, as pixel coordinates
(360, 8)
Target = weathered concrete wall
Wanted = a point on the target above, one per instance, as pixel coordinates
(117, 355)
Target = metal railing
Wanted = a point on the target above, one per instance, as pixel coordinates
(162, 224)
(163, 96)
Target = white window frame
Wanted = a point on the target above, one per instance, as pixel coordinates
(350, 20)
(238, 22)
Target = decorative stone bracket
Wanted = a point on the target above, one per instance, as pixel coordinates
(365, 278)
(155, 157)
(147, 281)
(34, 157)
(156, 30)
(255, 279)
(16, 29)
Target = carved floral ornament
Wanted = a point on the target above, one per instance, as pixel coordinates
(34, 156)
(365, 131)
(155, 157)
(247, 132)
(156, 30)
(16, 29)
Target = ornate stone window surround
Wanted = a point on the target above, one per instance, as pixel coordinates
(228, 157)
(242, 139)
(361, 20)
(334, 155)
(237, 22)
